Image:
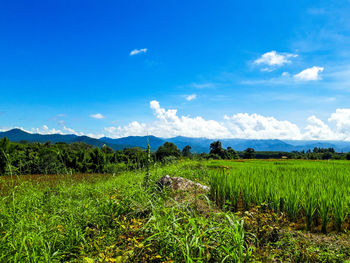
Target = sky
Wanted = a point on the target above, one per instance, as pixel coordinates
(214, 69)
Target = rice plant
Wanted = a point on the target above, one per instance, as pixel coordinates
(308, 189)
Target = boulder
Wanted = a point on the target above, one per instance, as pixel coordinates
(180, 183)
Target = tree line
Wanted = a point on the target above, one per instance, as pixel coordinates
(61, 158)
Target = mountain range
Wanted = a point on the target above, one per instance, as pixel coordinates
(198, 145)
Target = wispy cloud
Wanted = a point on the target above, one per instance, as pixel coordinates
(138, 51)
(97, 116)
(191, 97)
(208, 85)
(309, 74)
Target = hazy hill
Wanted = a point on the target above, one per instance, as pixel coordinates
(18, 135)
(198, 144)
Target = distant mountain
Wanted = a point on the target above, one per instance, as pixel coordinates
(136, 141)
(198, 145)
(17, 135)
(339, 146)
(258, 145)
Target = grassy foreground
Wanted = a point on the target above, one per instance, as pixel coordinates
(106, 218)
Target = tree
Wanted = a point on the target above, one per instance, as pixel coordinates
(4, 148)
(167, 149)
(232, 154)
(98, 160)
(216, 149)
(3, 162)
(347, 156)
(327, 156)
(249, 153)
(186, 151)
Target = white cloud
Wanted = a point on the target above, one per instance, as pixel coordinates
(71, 131)
(191, 97)
(317, 129)
(309, 74)
(203, 85)
(341, 118)
(97, 116)
(169, 124)
(255, 126)
(138, 51)
(274, 59)
(132, 129)
(46, 130)
(241, 125)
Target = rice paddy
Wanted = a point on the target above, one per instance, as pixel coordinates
(256, 211)
(318, 192)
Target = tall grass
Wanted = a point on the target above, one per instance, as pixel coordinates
(299, 188)
(68, 220)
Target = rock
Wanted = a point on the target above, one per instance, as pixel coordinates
(180, 183)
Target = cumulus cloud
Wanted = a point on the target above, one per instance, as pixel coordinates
(241, 125)
(169, 123)
(255, 126)
(309, 74)
(274, 59)
(317, 129)
(97, 116)
(191, 97)
(138, 51)
(46, 130)
(132, 129)
(341, 118)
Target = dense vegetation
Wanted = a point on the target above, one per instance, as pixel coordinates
(63, 158)
(111, 219)
(116, 218)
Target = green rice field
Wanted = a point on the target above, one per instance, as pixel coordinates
(256, 211)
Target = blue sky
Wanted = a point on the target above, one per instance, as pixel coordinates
(217, 69)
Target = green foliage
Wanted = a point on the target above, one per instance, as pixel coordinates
(218, 152)
(4, 160)
(249, 153)
(166, 150)
(186, 151)
(62, 158)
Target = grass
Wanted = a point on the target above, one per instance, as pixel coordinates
(79, 219)
(114, 218)
(299, 188)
